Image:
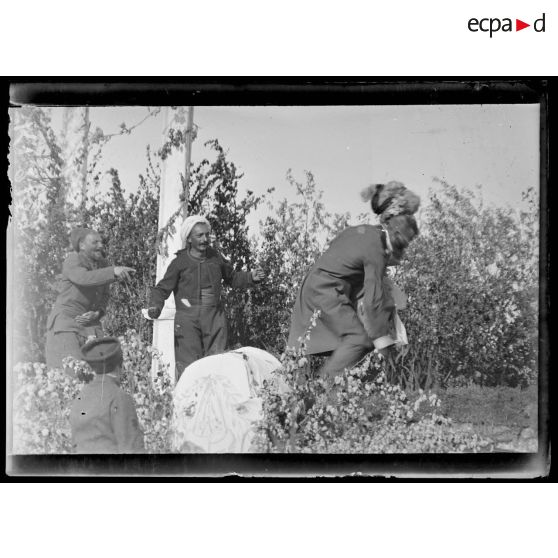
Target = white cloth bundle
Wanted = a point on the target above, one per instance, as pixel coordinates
(216, 401)
(400, 331)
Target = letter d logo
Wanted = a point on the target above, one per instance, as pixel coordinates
(541, 22)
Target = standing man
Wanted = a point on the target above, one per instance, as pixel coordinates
(195, 276)
(83, 296)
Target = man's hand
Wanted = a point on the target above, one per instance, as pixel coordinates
(87, 318)
(257, 275)
(153, 312)
(123, 272)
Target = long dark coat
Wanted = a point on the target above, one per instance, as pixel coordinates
(183, 278)
(354, 264)
(84, 285)
(198, 330)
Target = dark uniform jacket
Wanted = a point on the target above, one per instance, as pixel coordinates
(353, 266)
(104, 419)
(83, 286)
(183, 277)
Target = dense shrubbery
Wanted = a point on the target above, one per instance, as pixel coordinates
(359, 412)
(472, 281)
(291, 238)
(128, 226)
(39, 190)
(41, 409)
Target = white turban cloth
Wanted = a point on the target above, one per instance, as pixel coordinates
(188, 224)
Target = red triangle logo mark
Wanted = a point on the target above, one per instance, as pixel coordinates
(519, 25)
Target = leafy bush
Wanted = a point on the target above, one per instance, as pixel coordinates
(358, 412)
(147, 379)
(128, 226)
(43, 399)
(39, 191)
(292, 237)
(41, 409)
(472, 281)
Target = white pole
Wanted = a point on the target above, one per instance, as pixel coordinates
(169, 202)
(188, 150)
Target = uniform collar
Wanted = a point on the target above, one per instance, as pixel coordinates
(386, 241)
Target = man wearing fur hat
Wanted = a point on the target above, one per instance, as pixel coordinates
(82, 299)
(103, 418)
(195, 276)
(349, 287)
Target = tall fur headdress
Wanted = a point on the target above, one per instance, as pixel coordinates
(391, 199)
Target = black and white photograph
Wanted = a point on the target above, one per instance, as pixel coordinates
(295, 278)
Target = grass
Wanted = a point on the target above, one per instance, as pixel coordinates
(491, 406)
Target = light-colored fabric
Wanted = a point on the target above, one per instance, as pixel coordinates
(400, 331)
(216, 401)
(189, 223)
(383, 342)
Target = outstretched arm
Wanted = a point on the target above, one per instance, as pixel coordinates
(163, 289)
(236, 279)
(78, 274)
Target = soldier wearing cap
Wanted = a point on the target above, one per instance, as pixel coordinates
(103, 417)
(84, 288)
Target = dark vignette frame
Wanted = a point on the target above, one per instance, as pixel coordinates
(313, 91)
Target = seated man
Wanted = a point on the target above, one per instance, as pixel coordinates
(103, 417)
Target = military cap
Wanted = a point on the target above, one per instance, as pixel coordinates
(103, 354)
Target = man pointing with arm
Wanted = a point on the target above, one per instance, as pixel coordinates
(83, 296)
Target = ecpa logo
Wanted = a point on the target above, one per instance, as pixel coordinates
(494, 24)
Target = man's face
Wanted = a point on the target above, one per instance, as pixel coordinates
(92, 246)
(199, 237)
(401, 237)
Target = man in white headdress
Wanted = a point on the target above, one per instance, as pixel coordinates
(195, 276)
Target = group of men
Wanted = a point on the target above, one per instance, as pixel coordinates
(347, 284)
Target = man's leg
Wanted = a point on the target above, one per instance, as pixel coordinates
(214, 331)
(352, 348)
(61, 345)
(187, 340)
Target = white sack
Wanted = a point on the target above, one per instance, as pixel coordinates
(216, 402)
